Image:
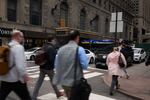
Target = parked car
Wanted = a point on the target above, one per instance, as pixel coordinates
(90, 55)
(30, 53)
(139, 54)
(101, 56)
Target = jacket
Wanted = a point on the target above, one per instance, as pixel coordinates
(113, 66)
(16, 62)
(50, 56)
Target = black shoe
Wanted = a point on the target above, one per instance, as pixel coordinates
(111, 94)
(118, 86)
(127, 76)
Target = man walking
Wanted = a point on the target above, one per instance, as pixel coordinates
(65, 63)
(47, 68)
(17, 77)
(125, 51)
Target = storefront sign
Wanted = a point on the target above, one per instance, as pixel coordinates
(96, 41)
(4, 31)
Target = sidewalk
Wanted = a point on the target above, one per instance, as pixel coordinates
(138, 85)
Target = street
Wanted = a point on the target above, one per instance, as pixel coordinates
(95, 77)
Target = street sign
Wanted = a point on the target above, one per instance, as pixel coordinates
(120, 14)
(119, 26)
(119, 18)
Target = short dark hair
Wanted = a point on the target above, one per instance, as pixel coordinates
(50, 38)
(73, 34)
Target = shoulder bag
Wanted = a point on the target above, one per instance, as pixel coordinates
(81, 89)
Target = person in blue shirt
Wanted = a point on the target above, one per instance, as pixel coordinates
(65, 63)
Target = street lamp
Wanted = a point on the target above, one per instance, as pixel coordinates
(116, 26)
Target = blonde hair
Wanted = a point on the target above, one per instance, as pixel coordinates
(115, 49)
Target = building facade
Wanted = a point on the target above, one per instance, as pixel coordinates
(142, 21)
(126, 7)
(39, 18)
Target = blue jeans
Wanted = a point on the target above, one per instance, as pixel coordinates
(114, 82)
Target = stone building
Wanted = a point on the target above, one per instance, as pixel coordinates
(40, 18)
(142, 21)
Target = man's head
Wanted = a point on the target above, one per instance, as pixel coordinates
(52, 39)
(74, 36)
(18, 36)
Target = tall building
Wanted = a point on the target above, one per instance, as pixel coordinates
(142, 21)
(40, 18)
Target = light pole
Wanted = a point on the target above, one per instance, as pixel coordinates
(116, 28)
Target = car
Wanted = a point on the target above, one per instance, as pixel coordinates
(90, 55)
(101, 56)
(139, 54)
(30, 53)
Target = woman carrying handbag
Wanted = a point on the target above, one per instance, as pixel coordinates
(115, 62)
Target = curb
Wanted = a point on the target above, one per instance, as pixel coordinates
(121, 91)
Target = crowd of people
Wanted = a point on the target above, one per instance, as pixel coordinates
(63, 67)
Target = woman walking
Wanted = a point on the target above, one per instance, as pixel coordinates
(114, 69)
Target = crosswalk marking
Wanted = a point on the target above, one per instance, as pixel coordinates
(93, 96)
(94, 74)
(33, 72)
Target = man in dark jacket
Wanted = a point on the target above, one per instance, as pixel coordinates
(47, 68)
(147, 62)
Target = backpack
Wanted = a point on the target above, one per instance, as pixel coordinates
(4, 64)
(40, 57)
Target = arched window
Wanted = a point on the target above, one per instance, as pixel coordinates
(82, 19)
(64, 14)
(12, 10)
(94, 24)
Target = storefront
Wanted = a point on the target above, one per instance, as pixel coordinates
(95, 44)
(32, 39)
(89, 40)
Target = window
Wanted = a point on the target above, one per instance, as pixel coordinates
(87, 52)
(106, 25)
(94, 1)
(100, 2)
(12, 10)
(64, 14)
(82, 19)
(94, 24)
(35, 12)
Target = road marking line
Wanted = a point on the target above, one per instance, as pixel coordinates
(30, 73)
(85, 71)
(32, 67)
(97, 69)
(87, 76)
(94, 74)
(52, 96)
(30, 70)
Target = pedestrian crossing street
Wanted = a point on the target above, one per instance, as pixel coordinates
(33, 72)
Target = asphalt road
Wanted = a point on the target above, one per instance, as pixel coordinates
(94, 76)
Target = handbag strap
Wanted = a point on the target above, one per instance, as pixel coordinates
(76, 65)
